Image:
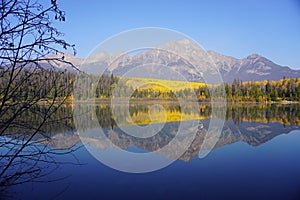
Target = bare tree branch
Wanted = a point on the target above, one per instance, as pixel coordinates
(30, 47)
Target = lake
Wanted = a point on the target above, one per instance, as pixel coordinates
(256, 155)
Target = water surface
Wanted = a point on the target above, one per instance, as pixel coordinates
(256, 156)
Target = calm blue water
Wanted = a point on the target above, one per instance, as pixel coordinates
(233, 171)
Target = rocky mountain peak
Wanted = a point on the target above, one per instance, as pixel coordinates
(254, 56)
(253, 67)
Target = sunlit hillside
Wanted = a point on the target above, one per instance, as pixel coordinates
(161, 85)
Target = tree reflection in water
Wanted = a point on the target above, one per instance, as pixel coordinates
(254, 124)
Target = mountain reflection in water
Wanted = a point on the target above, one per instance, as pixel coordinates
(254, 124)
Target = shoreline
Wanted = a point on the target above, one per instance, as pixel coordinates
(145, 100)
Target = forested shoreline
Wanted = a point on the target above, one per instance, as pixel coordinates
(41, 82)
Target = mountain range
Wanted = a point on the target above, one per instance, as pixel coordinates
(252, 68)
(252, 133)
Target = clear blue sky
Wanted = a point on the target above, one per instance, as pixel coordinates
(232, 27)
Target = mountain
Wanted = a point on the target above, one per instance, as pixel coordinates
(252, 133)
(254, 67)
(61, 65)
